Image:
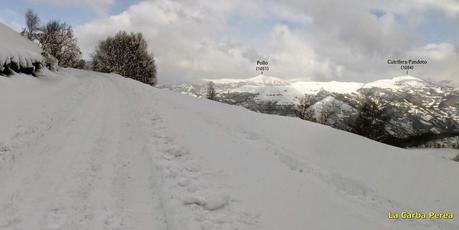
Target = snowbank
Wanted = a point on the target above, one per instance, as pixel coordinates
(17, 50)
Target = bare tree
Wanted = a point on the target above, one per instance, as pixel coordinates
(58, 40)
(371, 121)
(211, 94)
(32, 29)
(325, 113)
(127, 55)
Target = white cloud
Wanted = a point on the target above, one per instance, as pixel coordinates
(183, 38)
(325, 40)
(99, 6)
(443, 59)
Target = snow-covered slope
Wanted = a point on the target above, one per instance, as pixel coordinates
(17, 49)
(397, 83)
(85, 150)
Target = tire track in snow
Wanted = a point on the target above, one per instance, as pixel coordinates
(190, 199)
(135, 184)
(19, 180)
(34, 116)
(83, 173)
(52, 176)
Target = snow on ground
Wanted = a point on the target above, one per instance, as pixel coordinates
(85, 150)
(15, 48)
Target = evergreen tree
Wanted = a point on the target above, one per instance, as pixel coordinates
(127, 55)
(211, 94)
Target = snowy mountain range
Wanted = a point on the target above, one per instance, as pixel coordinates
(417, 108)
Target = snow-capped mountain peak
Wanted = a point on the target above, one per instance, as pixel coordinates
(257, 80)
(267, 80)
(397, 83)
(312, 87)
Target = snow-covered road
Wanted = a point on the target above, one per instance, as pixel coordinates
(83, 150)
(77, 160)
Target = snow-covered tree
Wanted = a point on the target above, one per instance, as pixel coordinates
(301, 109)
(32, 28)
(327, 110)
(211, 94)
(127, 55)
(57, 39)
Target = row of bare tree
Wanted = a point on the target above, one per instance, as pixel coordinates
(55, 38)
(370, 121)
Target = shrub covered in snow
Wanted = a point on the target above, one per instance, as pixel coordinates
(127, 55)
(50, 61)
(17, 53)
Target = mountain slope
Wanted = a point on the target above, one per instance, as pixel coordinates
(85, 150)
(415, 108)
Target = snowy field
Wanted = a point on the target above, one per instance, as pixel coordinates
(84, 150)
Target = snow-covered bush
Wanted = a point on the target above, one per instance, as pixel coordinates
(127, 55)
(50, 61)
(17, 54)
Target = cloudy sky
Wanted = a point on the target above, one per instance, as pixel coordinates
(312, 40)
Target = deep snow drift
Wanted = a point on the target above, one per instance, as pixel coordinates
(85, 150)
(17, 49)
